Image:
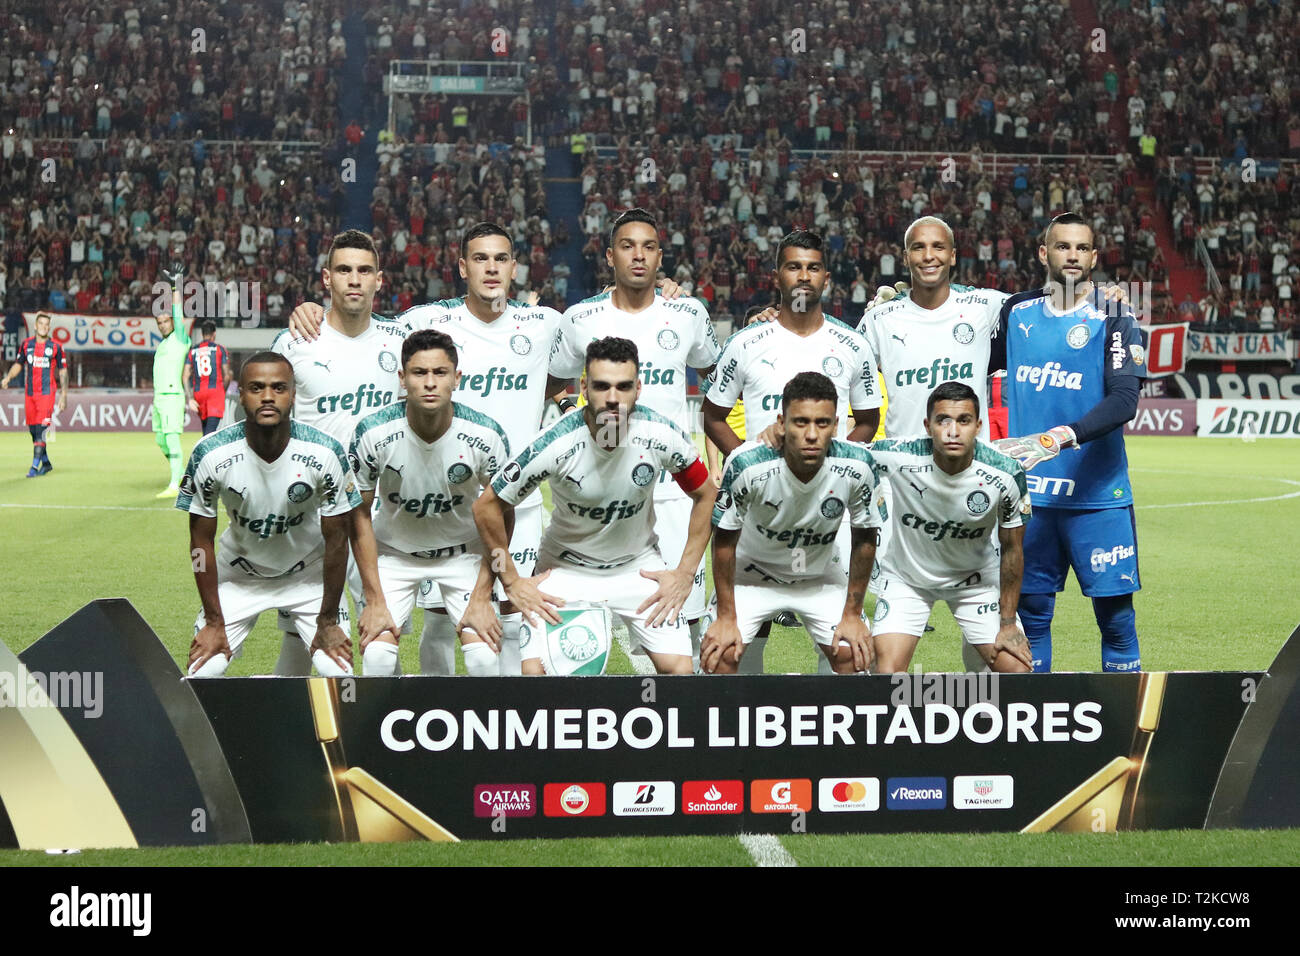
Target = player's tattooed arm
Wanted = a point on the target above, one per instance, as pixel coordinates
(376, 621)
(522, 592)
(211, 638)
(330, 637)
(722, 646)
(675, 584)
(853, 630)
(1010, 638)
(305, 320)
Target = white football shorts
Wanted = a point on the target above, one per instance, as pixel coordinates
(672, 525)
(904, 609)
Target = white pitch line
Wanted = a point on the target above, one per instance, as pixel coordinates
(1226, 501)
(158, 508)
(766, 850)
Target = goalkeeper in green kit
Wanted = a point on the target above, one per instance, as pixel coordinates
(168, 392)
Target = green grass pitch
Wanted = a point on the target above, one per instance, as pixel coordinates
(1216, 522)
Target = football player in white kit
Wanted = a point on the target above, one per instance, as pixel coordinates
(952, 494)
(424, 460)
(289, 493)
(345, 373)
(670, 335)
(602, 465)
(777, 518)
(758, 361)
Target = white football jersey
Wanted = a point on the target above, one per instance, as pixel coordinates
(945, 527)
(341, 379)
(788, 528)
(503, 363)
(424, 493)
(919, 349)
(758, 361)
(602, 499)
(274, 507)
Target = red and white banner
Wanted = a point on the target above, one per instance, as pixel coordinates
(1240, 346)
(1166, 349)
(90, 410)
(102, 333)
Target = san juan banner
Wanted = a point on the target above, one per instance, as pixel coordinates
(1239, 346)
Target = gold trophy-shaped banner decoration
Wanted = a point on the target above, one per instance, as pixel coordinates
(369, 811)
(1107, 800)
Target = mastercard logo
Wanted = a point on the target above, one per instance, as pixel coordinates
(849, 792)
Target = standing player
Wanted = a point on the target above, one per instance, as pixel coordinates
(41, 356)
(761, 358)
(602, 465)
(1074, 368)
(344, 374)
(504, 352)
(952, 493)
(424, 460)
(289, 493)
(206, 375)
(777, 516)
(168, 391)
(669, 335)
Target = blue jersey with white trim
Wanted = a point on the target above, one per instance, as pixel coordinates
(1058, 365)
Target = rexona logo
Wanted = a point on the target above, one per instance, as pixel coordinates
(916, 793)
(654, 798)
(848, 794)
(991, 791)
(780, 796)
(713, 796)
(505, 800)
(573, 800)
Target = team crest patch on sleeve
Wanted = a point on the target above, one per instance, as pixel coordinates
(832, 508)
(355, 461)
(1078, 336)
(1139, 354)
(643, 474)
(187, 485)
(521, 344)
(387, 361)
(667, 339)
(459, 473)
(299, 492)
(964, 333)
(832, 367)
(977, 502)
(511, 471)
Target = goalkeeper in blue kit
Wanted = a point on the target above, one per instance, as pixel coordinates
(1074, 366)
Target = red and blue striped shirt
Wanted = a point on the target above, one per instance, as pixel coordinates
(40, 361)
(206, 361)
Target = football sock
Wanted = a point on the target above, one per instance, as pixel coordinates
(479, 660)
(1036, 617)
(174, 457)
(380, 660)
(1119, 641)
(508, 661)
(295, 661)
(214, 666)
(437, 645)
(326, 666)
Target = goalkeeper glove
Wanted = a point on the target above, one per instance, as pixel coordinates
(1032, 449)
(885, 293)
(174, 273)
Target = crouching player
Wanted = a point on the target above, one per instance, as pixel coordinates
(425, 459)
(600, 547)
(776, 518)
(951, 493)
(289, 494)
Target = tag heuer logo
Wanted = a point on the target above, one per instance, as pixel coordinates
(983, 787)
(458, 473)
(642, 475)
(520, 344)
(977, 502)
(387, 361)
(832, 366)
(1078, 336)
(299, 492)
(578, 642)
(964, 333)
(832, 508)
(668, 340)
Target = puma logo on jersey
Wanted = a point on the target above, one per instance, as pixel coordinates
(773, 504)
(394, 468)
(920, 492)
(576, 481)
(902, 339)
(324, 365)
(1025, 328)
(768, 362)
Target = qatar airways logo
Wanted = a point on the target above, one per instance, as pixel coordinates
(1050, 375)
